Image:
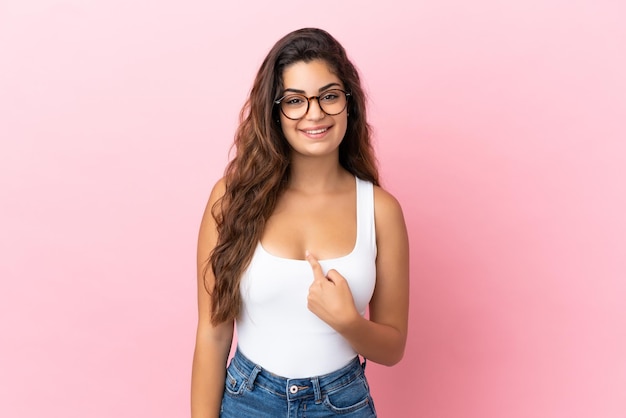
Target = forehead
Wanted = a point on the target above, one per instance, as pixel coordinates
(309, 76)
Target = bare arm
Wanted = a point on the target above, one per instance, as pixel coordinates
(382, 338)
(212, 342)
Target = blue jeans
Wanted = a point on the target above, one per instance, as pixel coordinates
(250, 391)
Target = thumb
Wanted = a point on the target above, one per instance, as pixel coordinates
(318, 273)
(334, 276)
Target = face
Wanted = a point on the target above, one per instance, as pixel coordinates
(316, 133)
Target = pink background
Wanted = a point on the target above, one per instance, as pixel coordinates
(500, 126)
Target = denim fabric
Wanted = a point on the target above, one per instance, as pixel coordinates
(250, 391)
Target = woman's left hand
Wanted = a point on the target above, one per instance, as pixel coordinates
(330, 297)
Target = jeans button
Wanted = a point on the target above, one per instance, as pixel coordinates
(293, 389)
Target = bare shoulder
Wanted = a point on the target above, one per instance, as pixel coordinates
(208, 234)
(218, 191)
(216, 194)
(387, 209)
(391, 233)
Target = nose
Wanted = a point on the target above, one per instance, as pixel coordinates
(315, 111)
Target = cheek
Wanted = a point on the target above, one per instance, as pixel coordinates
(344, 124)
(287, 125)
(288, 129)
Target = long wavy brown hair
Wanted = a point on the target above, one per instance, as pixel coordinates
(259, 171)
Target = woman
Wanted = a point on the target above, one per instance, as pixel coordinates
(297, 241)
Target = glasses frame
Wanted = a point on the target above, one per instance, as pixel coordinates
(308, 103)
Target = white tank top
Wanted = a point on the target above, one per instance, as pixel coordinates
(275, 328)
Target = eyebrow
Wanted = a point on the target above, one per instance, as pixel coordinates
(321, 89)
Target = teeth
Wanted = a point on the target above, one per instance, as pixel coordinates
(317, 131)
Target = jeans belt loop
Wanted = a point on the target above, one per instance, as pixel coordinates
(317, 390)
(255, 372)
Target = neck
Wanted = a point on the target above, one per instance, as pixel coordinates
(316, 174)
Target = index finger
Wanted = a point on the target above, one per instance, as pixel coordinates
(318, 273)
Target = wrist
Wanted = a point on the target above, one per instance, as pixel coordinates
(348, 323)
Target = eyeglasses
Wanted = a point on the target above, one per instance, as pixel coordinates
(295, 106)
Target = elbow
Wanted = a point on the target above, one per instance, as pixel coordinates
(393, 352)
(395, 360)
(393, 357)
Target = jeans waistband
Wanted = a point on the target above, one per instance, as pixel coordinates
(291, 389)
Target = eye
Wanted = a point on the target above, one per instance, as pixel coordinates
(293, 101)
(330, 96)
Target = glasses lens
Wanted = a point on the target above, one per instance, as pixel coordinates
(333, 102)
(294, 106)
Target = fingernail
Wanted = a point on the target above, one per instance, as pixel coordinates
(307, 253)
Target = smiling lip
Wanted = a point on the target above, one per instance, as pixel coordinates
(316, 132)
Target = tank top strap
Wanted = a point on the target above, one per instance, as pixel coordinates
(365, 214)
